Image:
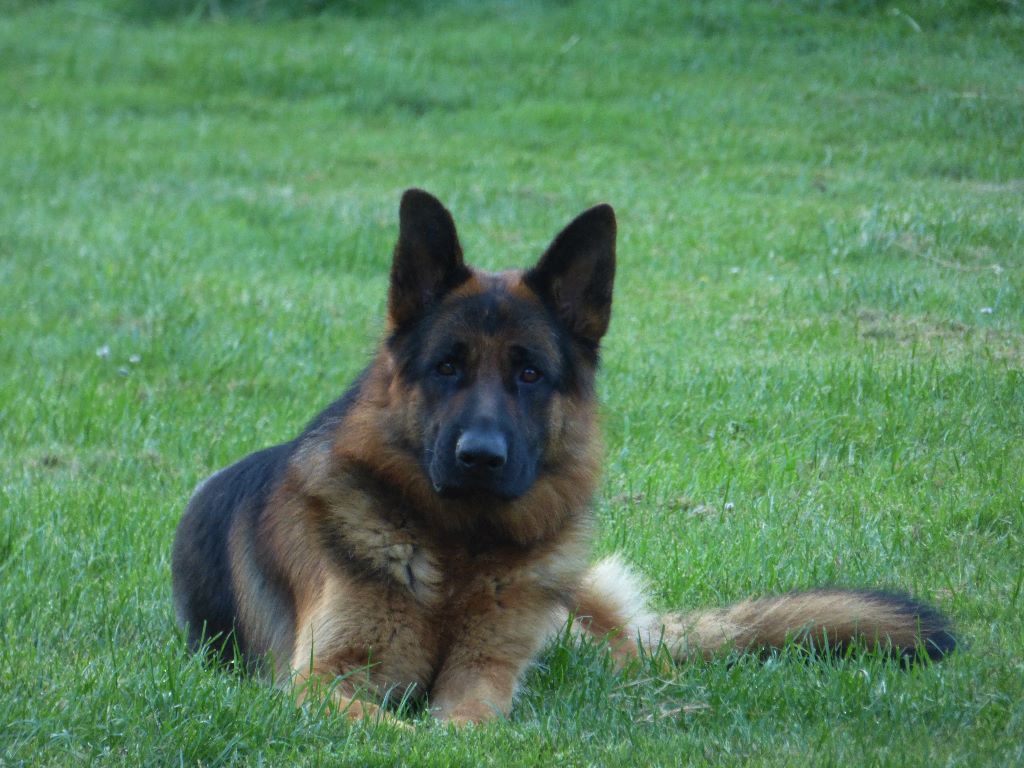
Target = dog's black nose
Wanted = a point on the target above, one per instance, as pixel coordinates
(479, 449)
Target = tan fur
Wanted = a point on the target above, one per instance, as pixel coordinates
(818, 618)
(471, 624)
(611, 602)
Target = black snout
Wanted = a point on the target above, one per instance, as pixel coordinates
(487, 455)
(481, 450)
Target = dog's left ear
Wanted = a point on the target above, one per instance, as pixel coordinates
(428, 258)
(575, 275)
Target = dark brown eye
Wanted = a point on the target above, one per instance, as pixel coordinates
(529, 375)
(446, 368)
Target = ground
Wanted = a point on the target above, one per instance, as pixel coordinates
(815, 373)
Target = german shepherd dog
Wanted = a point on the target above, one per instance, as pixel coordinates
(429, 531)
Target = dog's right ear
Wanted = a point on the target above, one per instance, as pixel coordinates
(428, 258)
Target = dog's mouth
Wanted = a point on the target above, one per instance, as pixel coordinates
(476, 492)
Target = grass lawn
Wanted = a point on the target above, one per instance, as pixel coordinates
(815, 372)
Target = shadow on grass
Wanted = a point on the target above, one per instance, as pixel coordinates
(153, 10)
(142, 10)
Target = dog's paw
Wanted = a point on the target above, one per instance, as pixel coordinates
(467, 714)
(418, 570)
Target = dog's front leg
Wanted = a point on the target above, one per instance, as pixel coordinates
(340, 646)
(328, 674)
(340, 698)
(491, 650)
(475, 688)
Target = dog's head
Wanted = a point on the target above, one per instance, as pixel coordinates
(496, 366)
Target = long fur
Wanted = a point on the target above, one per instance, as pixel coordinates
(612, 601)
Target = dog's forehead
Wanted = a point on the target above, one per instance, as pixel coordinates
(508, 282)
(498, 308)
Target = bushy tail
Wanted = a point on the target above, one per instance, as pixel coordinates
(611, 603)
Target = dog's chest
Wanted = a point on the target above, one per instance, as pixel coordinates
(409, 630)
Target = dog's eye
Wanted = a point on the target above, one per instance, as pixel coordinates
(447, 368)
(529, 375)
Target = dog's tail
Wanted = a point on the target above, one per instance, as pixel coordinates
(611, 604)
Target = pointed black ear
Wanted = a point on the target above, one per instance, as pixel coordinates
(574, 276)
(428, 258)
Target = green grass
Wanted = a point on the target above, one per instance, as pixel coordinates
(815, 372)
